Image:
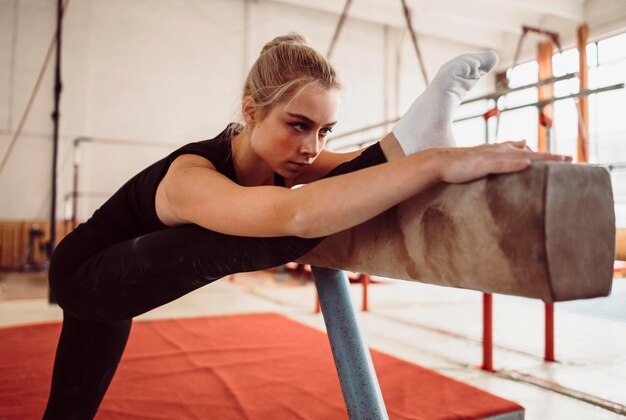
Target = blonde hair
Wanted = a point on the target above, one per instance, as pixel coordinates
(285, 65)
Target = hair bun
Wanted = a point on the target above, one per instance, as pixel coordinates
(290, 38)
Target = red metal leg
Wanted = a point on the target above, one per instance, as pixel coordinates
(487, 332)
(549, 354)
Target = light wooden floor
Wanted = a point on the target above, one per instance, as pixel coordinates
(432, 326)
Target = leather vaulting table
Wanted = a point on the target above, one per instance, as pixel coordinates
(547, 232)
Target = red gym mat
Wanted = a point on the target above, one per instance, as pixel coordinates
(255, 366)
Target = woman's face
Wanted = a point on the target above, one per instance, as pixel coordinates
(294, 131)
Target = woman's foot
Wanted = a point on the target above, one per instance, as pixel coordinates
(428, 122)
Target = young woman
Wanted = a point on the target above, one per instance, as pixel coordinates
(227, 205)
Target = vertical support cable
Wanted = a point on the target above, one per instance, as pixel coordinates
(386, 64)
(246, 38)
(31, 100)
(75, 197)
(397, 76)
(409, 24)
(75, 182)
(55, 145)
(338, 28)
(55, 118)
(357, 377)
(14, 32)
(487, 332)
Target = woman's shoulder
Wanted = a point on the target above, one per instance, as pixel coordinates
(216, 150)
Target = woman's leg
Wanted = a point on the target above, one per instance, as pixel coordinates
(87, 356)
(135, 276)
(101, 295)
(428, 122)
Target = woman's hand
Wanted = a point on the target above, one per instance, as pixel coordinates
(469, 163)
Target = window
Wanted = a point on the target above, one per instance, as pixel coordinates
(606, 61)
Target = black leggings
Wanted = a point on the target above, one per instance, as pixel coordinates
(100, 290)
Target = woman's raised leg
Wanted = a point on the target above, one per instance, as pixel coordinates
(428, 122)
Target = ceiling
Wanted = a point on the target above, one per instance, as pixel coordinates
(486, 24)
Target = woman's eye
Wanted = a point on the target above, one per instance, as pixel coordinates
(298, 126)
(326, 131)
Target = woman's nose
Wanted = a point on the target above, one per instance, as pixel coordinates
(311, 146)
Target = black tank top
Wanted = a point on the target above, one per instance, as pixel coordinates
(131, 211)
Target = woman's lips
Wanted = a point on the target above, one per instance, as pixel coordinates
(299, 165)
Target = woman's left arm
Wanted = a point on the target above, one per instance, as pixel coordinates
(328, 160)
(324, 163)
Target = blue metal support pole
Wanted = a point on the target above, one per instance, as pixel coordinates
(359, 384)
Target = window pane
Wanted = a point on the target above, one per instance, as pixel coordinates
(565, 63)
(618, 179)
(469, 133)
(564, 133)
(592, 54)
(607, 74)
(594, 147)
(606, 60)
(519, 124)
(473, 108)
(523, 74)
(608, 126)
(566, 87)
(522, 97)
(612, 49)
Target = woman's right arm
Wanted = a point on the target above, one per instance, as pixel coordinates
(193, 192)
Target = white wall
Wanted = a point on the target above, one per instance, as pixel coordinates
(25, 37)
(165, 73)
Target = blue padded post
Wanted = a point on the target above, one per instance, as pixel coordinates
(359, 384)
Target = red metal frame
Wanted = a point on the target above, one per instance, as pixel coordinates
(549, 332)
(487, 332)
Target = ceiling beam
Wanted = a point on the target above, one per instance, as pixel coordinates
(458, 30)
(479, 14)
(432, 22)
(479, 24)
(368, 11)
(573, 10)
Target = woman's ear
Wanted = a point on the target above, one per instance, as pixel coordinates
(248, 109)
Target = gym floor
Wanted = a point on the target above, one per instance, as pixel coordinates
(435, 327)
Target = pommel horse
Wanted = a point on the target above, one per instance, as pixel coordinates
(546, 233)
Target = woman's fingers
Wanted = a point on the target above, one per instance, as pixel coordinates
(549, 156)
(509, 165)
(466, 164)
(520, 159)
(521, 145)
